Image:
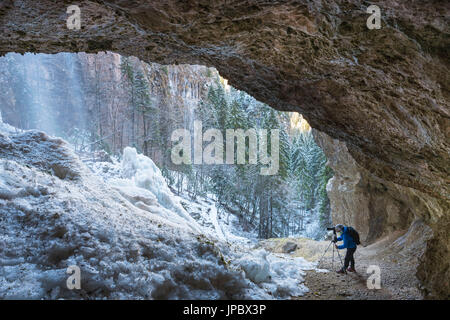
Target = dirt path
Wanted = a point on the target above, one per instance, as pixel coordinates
(397, 276)
(396, 283)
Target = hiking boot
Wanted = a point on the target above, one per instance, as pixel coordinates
(351, 269)
(341, 271)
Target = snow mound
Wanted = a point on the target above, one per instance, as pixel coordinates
(50, 223)
(256, 266)
(279, 275)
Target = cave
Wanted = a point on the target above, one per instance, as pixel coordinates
(378, 99)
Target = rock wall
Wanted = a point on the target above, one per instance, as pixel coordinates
(378, 208)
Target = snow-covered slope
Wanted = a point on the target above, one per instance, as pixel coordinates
(129, 235)
(224, 225)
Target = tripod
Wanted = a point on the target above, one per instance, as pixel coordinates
(332, 261)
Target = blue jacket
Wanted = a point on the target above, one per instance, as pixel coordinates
(348, 240)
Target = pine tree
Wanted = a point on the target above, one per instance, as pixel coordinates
(144, 107)
(128, 79)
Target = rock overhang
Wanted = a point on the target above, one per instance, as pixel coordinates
(384, 92)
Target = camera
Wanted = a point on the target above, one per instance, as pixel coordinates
(334, 233)
(332, 229)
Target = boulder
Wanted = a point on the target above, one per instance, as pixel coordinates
(289, 247)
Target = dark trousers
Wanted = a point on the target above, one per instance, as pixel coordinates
(349, 258)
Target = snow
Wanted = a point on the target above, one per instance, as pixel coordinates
(129, 234)
(142, 176)
(278, 274)
(312, 227)
(229, 229)
(123, 252)
(5, 128)
(256, 266)
(288, 275)
(213, 217)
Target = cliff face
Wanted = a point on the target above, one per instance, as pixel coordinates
(378, 208)
(79, 95)
(384, 92)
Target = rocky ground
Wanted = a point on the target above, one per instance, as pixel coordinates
(398, 280)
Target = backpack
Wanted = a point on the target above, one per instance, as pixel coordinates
(354, 234)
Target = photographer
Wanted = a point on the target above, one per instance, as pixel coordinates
(349, 244)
